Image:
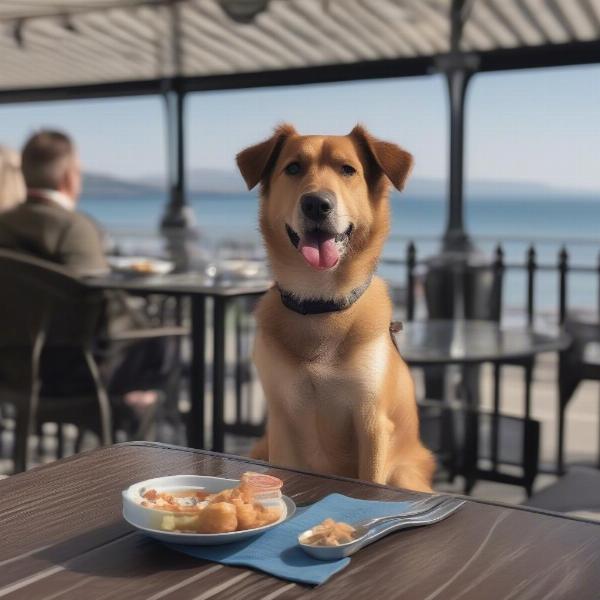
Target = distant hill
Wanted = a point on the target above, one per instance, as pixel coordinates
(95, 184)
(221, 181)
(483, 189)
(209, 181)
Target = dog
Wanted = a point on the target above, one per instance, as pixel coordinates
(340, 399)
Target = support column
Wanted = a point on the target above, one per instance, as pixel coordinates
(455, 237)
(458, 69)
(178, 213)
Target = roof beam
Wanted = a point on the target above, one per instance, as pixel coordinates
(555, 55)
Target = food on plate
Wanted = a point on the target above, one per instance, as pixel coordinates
(217, 517)
(143, 266)
(256, 502)
(330, 533)
(174, 500)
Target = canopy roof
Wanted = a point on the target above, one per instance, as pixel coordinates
(63, 48)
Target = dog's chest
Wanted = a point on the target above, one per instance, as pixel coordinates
(333, 383)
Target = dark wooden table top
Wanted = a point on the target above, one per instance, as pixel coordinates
(62, 536)
(437, 342)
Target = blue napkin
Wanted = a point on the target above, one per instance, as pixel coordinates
(277, 552)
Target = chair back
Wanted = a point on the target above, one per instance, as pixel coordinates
(481, 291)
(39, 298)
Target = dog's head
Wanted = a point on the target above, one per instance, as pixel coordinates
(324, 201)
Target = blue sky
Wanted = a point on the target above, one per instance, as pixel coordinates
(535, 126)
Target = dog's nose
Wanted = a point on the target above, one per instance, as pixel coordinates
(317, 206)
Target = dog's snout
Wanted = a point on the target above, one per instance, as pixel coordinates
(317, 206)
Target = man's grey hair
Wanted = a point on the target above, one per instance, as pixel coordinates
(45, 159)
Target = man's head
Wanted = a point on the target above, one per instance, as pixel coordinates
(50, 161)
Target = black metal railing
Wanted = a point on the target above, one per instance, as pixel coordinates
(530, 265)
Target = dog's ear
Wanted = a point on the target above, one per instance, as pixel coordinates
(256, 162)
(385, 157)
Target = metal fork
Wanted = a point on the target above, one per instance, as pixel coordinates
(416, 518)
(417, 508)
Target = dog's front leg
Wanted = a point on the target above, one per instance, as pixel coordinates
(260, 450)
(373, 448)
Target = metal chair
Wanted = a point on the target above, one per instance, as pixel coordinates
(577, 363)
(477, 286)
(45, 311)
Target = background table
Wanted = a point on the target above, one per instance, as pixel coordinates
(198, 289)
(460, 342)
(63, 536)
(469, 344)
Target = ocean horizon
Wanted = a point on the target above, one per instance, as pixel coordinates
(515, 223)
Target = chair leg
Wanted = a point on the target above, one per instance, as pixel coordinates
(496, 415)
(599, 441)
(104, 410)
(40, 440)
(21, 442)
(560, 468)
(60, 450)
(79, 439)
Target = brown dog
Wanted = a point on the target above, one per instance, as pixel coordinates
(340, 399)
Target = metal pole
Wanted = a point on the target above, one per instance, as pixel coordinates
(455, 237)
(457, 69)
(178, 214)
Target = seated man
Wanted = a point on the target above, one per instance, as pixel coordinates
(48, 226)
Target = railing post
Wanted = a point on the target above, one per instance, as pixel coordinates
(498, 271)
(499, 259)
(411, 261)
(563, 267)
(531, 268)
(599, 286)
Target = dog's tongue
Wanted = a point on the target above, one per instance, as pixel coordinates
(319, 250)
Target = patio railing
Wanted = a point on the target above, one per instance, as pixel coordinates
(531, 266)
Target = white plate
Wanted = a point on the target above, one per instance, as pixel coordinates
(132, 263)
(144, 519)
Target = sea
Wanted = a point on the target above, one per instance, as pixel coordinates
(224, 220)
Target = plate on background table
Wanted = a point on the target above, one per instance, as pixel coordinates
(146, 519)
(140, 265)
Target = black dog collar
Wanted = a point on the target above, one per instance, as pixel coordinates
(319, 305)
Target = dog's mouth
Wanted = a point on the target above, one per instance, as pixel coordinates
(320, 248)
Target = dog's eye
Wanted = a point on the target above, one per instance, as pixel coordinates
(348, 170)
(293, 168)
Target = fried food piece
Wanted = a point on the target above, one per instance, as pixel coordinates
(223, 496)
(265, 515)
(231, 495)
(151, 495)
(217, 517)
(330, 533)
(246, 515)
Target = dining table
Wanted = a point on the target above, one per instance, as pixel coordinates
(63, 536)
(198, 288)
(469, 344)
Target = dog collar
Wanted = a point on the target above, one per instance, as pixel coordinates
(318, 306)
